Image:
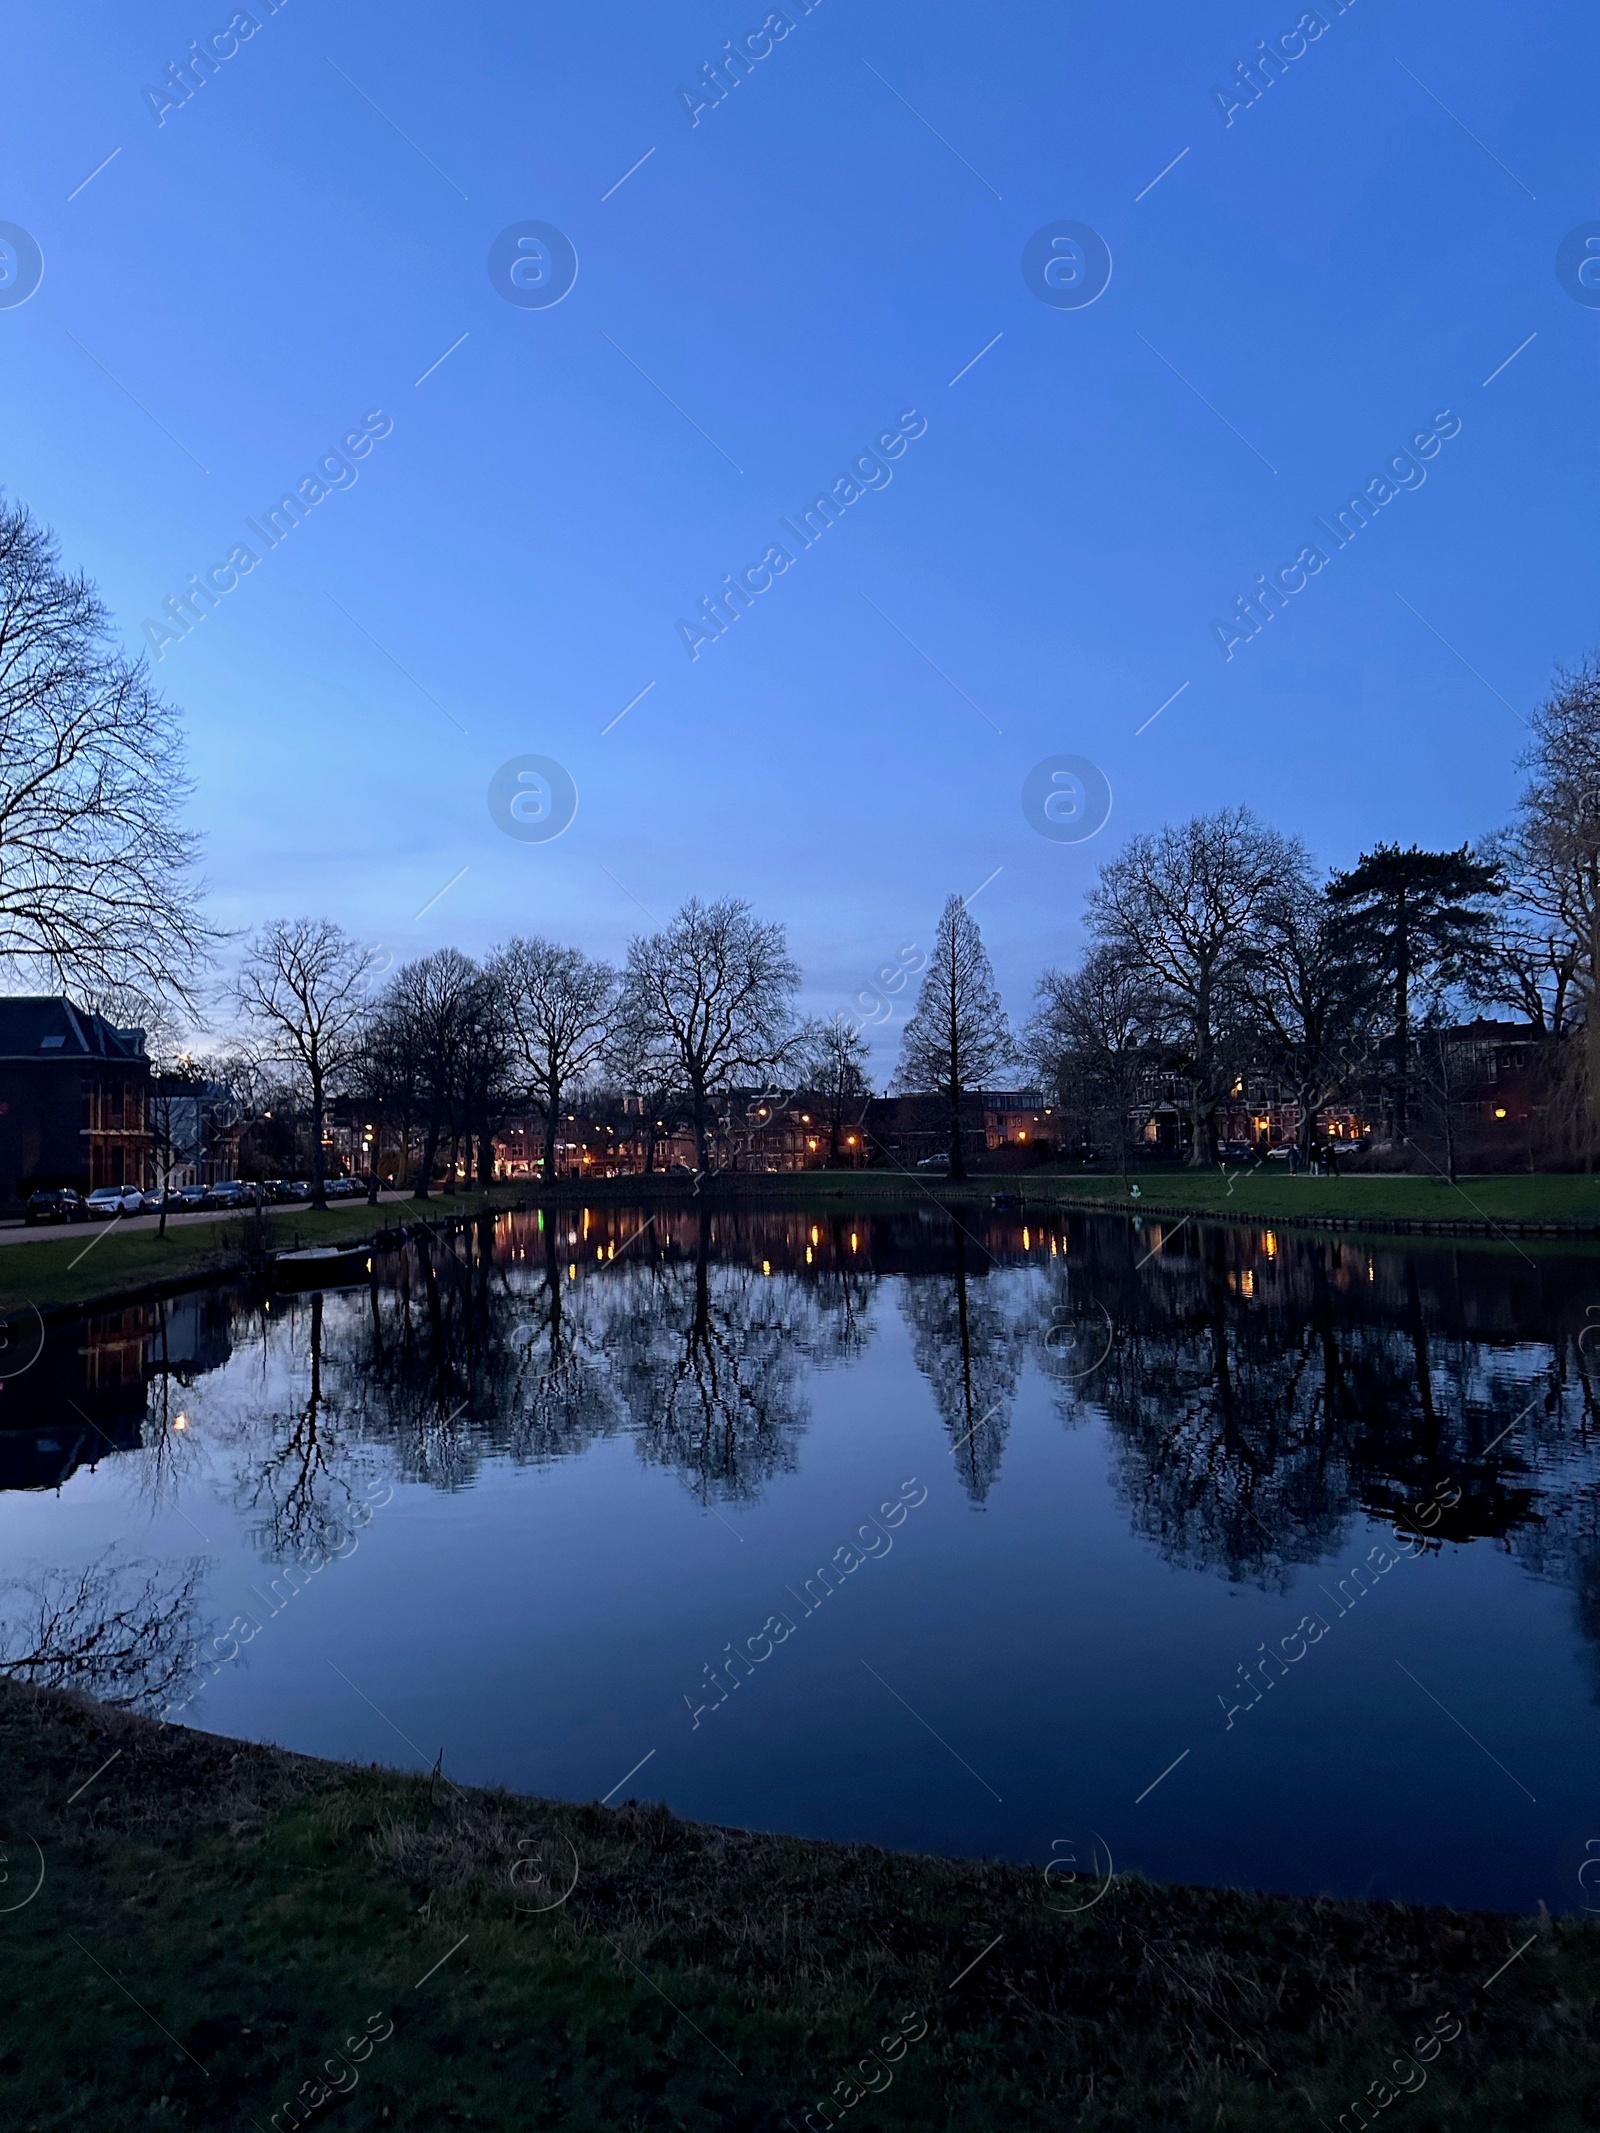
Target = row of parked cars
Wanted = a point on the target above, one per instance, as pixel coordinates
(62, 1204)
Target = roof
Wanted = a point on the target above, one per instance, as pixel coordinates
(48, 1025)
(1484, 1031)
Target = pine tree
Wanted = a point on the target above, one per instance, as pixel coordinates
(1417, 918)
(958, 1034)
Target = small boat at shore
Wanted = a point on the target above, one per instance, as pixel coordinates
(321, 1266)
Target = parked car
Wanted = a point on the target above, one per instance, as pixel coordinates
(193, 1199)
(108, 1201)
(62, 1205)
(934, 1162)
(154, 1199)
(299, 1189)
(231, 1192)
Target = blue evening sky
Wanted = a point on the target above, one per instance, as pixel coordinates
(775, 285)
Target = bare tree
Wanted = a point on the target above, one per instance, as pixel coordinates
(1551, 861)
(714, 991)
(490, 1082)
(1094, 1038)
(97, 882)
(831, 1058)
(302, 986)
(558, 1007)
(957, 1034)
(1180, 904)
(432, 1006)
(638, 1061)
(1312, 1006)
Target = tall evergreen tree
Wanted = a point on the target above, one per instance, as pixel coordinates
(1420, 920)
(958, 1034)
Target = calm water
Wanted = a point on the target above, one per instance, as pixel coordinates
(521, 1500)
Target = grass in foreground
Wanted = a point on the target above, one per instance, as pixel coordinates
(221, 1928)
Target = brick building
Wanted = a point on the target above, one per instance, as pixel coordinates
(74, 1097)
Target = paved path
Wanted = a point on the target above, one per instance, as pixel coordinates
(19, 1233)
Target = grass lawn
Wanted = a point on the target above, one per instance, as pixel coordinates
(1268, 1191)
(221, 1928)
(53, 1268)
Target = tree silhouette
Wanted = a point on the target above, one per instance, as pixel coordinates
(1419, 920)
(957, 1035)
(968, 1346)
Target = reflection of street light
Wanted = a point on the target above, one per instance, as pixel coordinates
(180, 1420)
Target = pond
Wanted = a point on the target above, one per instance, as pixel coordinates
(1225, 1555)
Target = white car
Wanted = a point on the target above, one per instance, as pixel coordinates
(108, 1200)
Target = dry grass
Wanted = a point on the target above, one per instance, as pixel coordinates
(257, 1904)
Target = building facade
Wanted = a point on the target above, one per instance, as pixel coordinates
(194, 1130)
(74, 1099)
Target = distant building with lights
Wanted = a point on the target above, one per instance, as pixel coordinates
(74, 1093)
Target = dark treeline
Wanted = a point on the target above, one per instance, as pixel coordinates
(1219, 969)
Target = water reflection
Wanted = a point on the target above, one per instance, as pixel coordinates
(1259, 1390)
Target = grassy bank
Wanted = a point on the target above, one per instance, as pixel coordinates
(56, 1269)
(1272, 1195)
(61, 1269)
(1265, 1194)
(215, 1921)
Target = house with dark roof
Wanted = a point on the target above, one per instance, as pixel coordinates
(74, 1098)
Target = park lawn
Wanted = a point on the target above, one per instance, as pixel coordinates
(1269, 1191)
(1265, 1193)
(215, 1920)
(55, 1269)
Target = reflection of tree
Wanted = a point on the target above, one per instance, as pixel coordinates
(1259, 1394)
(841, 1296)
(1263, 1391)
(1222, 1450)
(709, 1366)
(301, 1485)
(467, 1354)
(125, 1632)
(969, 1350)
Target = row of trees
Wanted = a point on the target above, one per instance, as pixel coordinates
(1214, 949)
(450, 1047)
(1216, 953)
